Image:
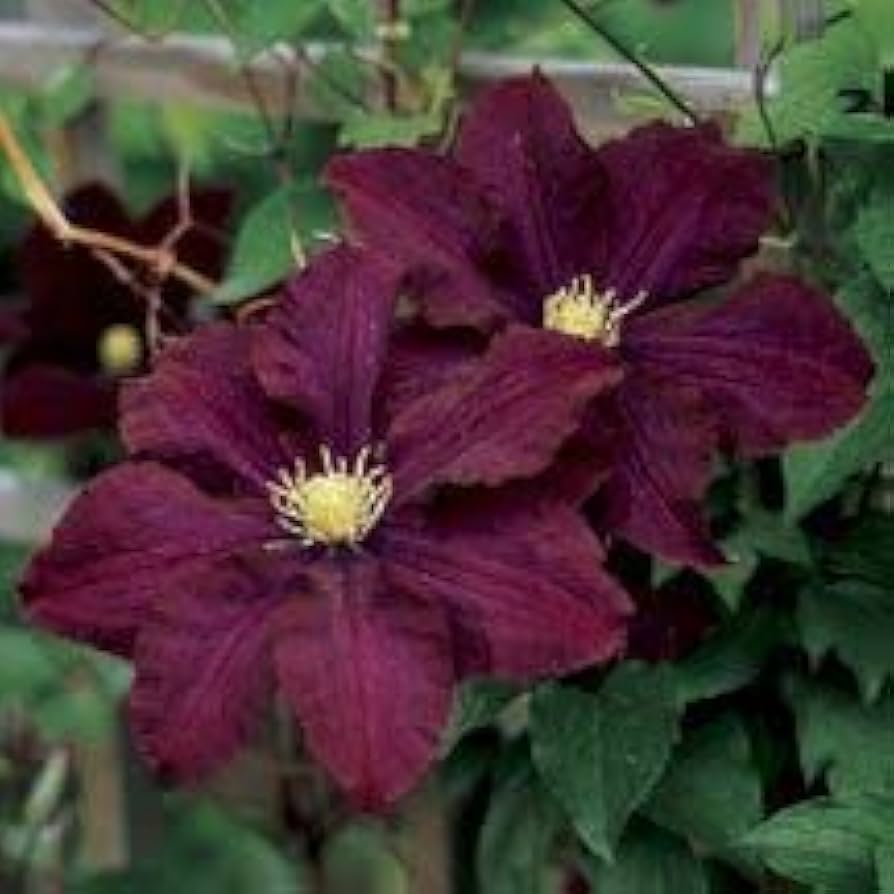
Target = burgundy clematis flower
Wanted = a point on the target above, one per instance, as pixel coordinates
(527, 223)
(83, 328)
(278, 523)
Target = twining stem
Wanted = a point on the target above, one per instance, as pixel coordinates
(163, 261)
(646, 70)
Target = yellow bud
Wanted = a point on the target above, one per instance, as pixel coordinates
(120, 350)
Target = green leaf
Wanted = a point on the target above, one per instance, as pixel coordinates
(204, 851)
(264, 252)
(884, 861)
(357, 17)
(874, 233)
(866, 553)
(854, 620)
(849, 743)
(826, 844)
(518, 832)
(360, 858)
(731, 658)
(262, 24)
(876, 17)
(66, 95)
(812, 75)
(478, 703)
(815, 472)
(650, 861)
(370, 130)
(711, 792)
(600, 754)
(26, 666)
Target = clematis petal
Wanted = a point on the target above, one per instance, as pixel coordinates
(662, 469)
(682, 210)
(73, 296)
(137, 534)
(321, 348)
(425, 213)
(421, 359)
(519, 139)
(503, 416)
(202, 403)
(13, 325)
(203, 674)
(776, 361)
(368, 671)
(42, 401)
(525, 588)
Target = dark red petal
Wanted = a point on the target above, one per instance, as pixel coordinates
(525, 589)
(136, 535)
(203, 674)
(203, 403)
(369, 674)
(72, 295)
(776, 361)
(662, 470)
(42, 401)
(13, 326)
(421, 359)
(520, 140)
(684, 209)
(321, 349)
(425, 213)
(503, 416)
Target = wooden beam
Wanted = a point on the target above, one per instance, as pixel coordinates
(202, 70)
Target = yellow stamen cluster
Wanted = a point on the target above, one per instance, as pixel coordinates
(120, 349)
(582, 311)
(337, 506)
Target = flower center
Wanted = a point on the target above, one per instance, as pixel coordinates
(120, 349)
(337, 506)
(582, 311)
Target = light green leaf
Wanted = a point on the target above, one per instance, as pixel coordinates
(264, 252)
(369, 131)
(358, 17)
(711, 791)
(600, 754)
(66, 95)
(650, 861)
(812, 75)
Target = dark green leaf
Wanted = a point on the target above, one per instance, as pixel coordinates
(855, 621)
(826, 844)
(711, 792)
(518, 832)
(849, 743)
(650, 861)
(602, 753)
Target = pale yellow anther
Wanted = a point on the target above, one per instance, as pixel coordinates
(584, 312)
(337, 506)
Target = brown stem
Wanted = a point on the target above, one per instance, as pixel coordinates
(159, 259)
